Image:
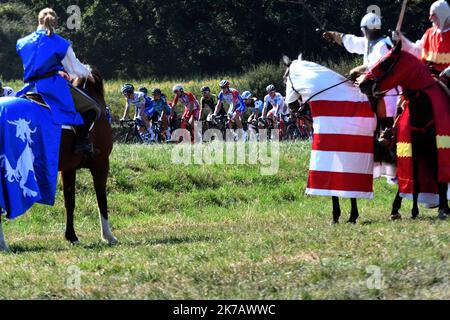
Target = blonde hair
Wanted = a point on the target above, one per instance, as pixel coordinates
(48, 19)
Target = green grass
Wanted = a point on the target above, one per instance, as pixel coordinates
(223, 232)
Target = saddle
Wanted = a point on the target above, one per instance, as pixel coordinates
(82, 101)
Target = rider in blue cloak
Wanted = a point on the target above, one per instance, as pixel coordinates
(49, 62)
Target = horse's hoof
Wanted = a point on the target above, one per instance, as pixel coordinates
(395, 217)
(351, 221)
(334, 222)
(112, 241)
(72, 239)
(4, 248)
(442, 215)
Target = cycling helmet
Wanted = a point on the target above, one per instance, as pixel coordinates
(247, 95)
(270, 88)
(224, 84)
(156, 91)
(127, 88)
(143, 90)
(205, 89)
(177, 88)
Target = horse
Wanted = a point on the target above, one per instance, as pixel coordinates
(423, 151)
(344, 126)
(69, 163)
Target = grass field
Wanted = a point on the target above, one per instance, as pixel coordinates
(207, 232)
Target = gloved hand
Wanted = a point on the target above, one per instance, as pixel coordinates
(333, 36)
(355, 73)
(445, 73)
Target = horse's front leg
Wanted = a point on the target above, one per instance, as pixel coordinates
(354, 214)
(68, 182)
(3, 246)
(395, 214)
(100, 176)
(336, 210)
(443, 202)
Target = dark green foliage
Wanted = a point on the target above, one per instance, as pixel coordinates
(179, 38)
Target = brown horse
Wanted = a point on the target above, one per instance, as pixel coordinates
(69, 163)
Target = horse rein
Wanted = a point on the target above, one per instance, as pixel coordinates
(316, 94)
(322, 91)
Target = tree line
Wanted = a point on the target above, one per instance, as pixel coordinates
(181, 38)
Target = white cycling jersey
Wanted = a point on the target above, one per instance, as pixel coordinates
(277, 100)
(138, 101)
(7, 92)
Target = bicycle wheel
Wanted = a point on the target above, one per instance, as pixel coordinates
(292, 132)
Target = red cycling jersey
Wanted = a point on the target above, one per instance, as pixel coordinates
(187, 99)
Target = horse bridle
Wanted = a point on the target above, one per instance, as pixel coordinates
(314, 95)
(377, 81)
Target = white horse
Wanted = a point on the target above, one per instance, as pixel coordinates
(344, 126)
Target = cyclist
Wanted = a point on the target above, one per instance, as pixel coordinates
(161, 112)
(6, 91)
(255, 106)
(137, 99)
(275, 108)
(191, 108)
(208, 102)
(237, 106)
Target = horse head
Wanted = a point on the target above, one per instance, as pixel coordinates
(94, 89)
(295, 97)
(396, 68)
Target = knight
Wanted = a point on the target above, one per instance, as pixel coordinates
(372, 46)
(434, 47)
(49, 62)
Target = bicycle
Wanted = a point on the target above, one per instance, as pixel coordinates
(132, 136)
(298, 127)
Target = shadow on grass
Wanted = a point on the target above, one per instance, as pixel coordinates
(164, 241)
(100, 245)
(35, 248)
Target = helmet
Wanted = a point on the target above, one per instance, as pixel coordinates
(441, 9)
(156, 91)
(205, 89)
(247, 95)
(127, 88)
(371, 21)
(143, 89)
(270, 88)
(177, 88)
(224, 84)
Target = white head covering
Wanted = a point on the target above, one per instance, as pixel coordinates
(442, 11)
(371, 21)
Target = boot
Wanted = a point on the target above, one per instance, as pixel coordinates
(82, 143)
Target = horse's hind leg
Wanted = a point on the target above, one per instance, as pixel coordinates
(443, 202)
(354, 214)
(395, 214)
(100, 177)
(3, 246)
(336, 210)
(68, 182)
